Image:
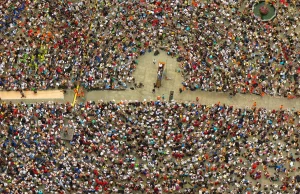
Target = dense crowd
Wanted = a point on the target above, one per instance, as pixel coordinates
(148, 147)
(156, 146)
(223, 46)
(252, 56)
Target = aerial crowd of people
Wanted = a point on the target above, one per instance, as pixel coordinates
(148, 147)
(222, 46)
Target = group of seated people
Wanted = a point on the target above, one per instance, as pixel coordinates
(149, 146)
(222, 45)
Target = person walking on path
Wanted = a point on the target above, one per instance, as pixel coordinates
(22, 94)
(254, 104)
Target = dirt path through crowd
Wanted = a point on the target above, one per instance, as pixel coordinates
(146, 73)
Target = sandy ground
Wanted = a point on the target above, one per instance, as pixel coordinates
(49, 94)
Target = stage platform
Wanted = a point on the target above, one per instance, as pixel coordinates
(30, 95)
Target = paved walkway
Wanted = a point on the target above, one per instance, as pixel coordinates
(45, 94)
(146, 73)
